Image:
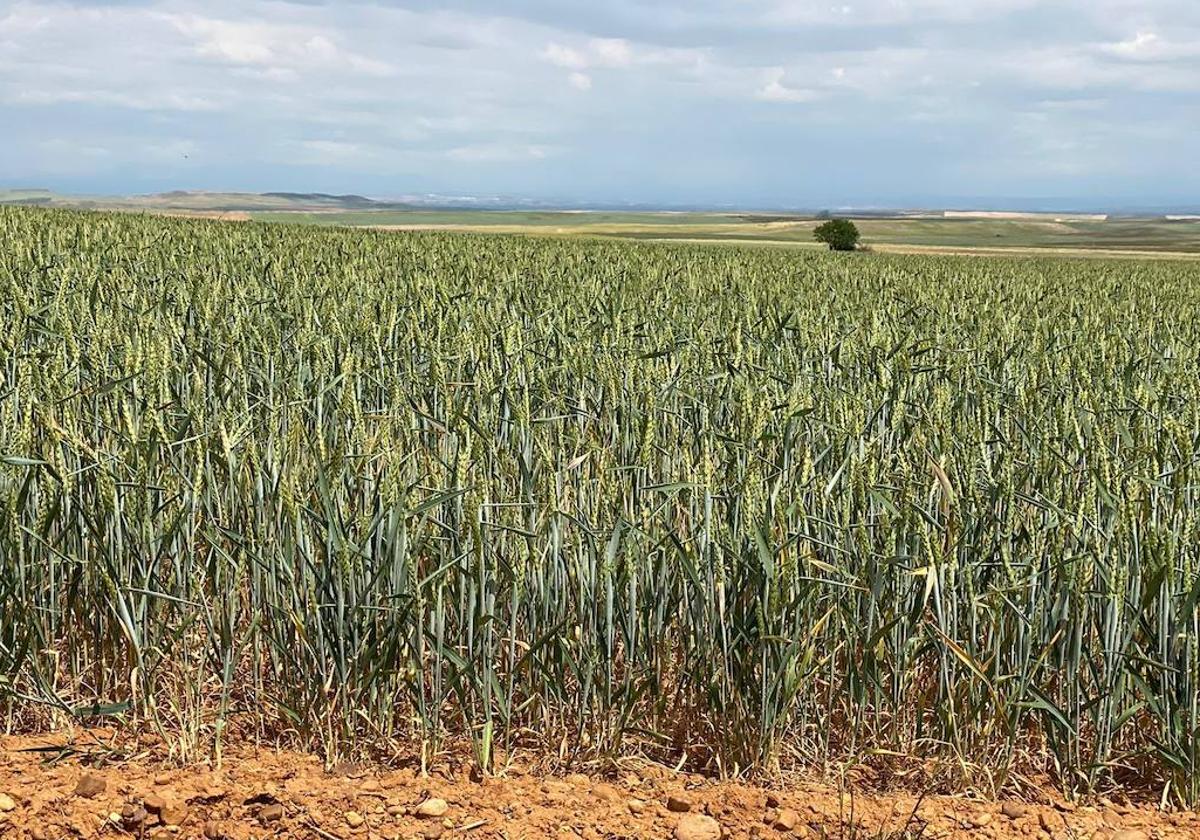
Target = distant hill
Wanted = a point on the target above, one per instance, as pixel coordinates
(346, 202)
(1168, 227)
(204, 201)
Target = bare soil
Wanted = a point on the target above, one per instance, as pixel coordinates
(47, 794)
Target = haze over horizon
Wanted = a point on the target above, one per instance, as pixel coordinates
(740, 103)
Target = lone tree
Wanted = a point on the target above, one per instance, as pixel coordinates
(838, 234)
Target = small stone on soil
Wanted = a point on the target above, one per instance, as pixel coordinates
(354, 819)
(697, 827)
(7, 803)
(270, 813)
(432, 808)
(636, 806)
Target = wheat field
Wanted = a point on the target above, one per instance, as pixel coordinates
(737, 509)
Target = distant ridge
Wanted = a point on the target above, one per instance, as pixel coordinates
(356, 202)
(210, 202)
(277, 201)
(205, 201)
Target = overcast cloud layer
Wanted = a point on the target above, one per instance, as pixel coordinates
(769, 103)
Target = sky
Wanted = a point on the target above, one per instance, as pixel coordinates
(747, 103)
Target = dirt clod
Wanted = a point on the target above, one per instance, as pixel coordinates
(697, 827)
(785, 820)
(213, 831)
(606, 792)
(636, 806)
(1014, 810)
(7, 803)
(679, 804)
(354, 819)
(173, 814)
(133, 815)
(153, 803)
(270, 813)
(979, 819)
(90, 786)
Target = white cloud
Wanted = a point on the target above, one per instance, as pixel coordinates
(1095, 68)
(235, 43)
(1150, 46)
(611, 52)
(597, 52)
(774, 90)
(564, 56)
(318, 46)
(580, 81)
(335, 149)
(614, 53)
(497, 153)
(139, 102)
(22, 19)
(1137, 46)
(887, 12)
(283, 48)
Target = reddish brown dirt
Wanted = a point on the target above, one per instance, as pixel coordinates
(261, 794)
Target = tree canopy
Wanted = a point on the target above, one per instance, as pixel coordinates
(838, 234)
